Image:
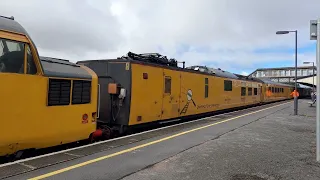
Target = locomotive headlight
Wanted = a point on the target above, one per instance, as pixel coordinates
(85, 117)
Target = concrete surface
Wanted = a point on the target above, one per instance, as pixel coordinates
(271, 144)
(279, 146)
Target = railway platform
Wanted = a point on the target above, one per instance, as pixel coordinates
(264, 142)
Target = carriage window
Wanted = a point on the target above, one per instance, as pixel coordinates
(167, 85)
(206, 87)
(227, 85)
(249, 91)
(255, 91)
(11, 56)
(31, 67)
(243, 91)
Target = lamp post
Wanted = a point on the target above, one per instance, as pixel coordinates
(313, 89)
(296, 57)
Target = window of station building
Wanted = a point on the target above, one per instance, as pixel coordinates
(167, 85)
(249, 91)
(227, 85)
(243, 91)
(272, 89)
(287, 72)
(255, 91)
(11, 56)
(269, 88)
(206, 87)
(305, 72)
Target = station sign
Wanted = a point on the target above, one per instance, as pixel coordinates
(313, 30)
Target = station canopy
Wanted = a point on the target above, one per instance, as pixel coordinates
(307, 80)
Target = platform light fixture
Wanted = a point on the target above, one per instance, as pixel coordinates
(296, 61)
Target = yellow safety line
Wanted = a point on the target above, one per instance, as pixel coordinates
(144, 145)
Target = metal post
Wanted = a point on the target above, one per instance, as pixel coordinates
(295, 84)
(318, 90)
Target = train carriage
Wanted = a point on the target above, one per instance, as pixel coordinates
(274, 91)
(157, 91)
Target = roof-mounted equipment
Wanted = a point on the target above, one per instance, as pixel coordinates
(152, 58)
(12, 18)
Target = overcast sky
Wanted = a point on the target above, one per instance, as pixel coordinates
(235, 35)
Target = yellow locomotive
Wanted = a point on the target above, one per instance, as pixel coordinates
(47, 101)
(44, 101)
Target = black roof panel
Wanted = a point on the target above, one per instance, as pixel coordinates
(11, 25)
(63, 68)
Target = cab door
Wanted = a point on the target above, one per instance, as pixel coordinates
(171, 94)
(18, 93)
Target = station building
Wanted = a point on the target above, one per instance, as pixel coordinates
(284, 74)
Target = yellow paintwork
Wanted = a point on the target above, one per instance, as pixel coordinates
(149, 100)
(26, 120)
(146, 95)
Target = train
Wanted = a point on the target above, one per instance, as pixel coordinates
(47, 102)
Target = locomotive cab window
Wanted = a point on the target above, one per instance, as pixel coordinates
(30, 66)
(249, 91)
(167, 85)
(227, 85)
(11, 56)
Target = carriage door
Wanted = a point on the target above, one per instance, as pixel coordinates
(260, 91)
(171, 93)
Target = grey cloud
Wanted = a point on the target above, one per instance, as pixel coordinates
(73, 26)
(230, 29)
